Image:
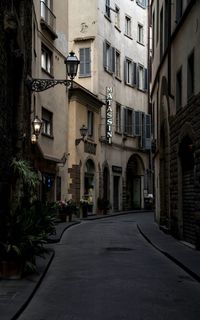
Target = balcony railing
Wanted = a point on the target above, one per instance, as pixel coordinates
(48, 19)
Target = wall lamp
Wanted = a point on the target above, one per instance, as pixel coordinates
(83, 133)
(37, 126)
(71, 62)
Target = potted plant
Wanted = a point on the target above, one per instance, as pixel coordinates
(84, 207)
(66, 210)
(25, 228)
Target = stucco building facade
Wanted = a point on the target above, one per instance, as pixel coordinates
(175, 88)
(110, 39)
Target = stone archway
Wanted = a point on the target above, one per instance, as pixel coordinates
(134, 183)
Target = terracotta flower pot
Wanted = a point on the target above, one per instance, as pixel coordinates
(11, 270)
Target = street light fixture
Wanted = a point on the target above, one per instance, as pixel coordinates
(71, 62)
(37, 126)
(83, 133)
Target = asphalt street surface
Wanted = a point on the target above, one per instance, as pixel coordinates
(105, 270)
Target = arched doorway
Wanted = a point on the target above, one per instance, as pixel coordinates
(134, 183)
(89, 183)
(164, 174)
(187, 166)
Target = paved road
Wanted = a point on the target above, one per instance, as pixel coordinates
(105, 270)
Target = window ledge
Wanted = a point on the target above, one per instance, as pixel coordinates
(118, 29)
(84, 75)
(117, 78)
(108, 71)
(49, 74)
(126, 35)
(142, 44)
(119, 133)
(108, 18)
(47, 135)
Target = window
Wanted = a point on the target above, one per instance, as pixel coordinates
(190, 75)
(179, 9)
(142, 3)
(157, 21)
(118, 118)
(138, 123)
(140, 34)
(153, 34)
(46, 59)
(117, 17)
(90, 124)
(145, 139)
(47, 118)
(166, 25)
(128, 121)
(44, 6)
(85, 62)
(107, 8)
(130, 72)
(108, 57)
(179, 89)
(128, 26)
(117, 64)
(142, 78)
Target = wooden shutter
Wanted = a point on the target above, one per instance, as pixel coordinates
(125, 71)
(145, 79)
(82, 58)
(104, 55)
(134, 74)
(113, 54)
(125, 120)
(137, 123)
(87, 62)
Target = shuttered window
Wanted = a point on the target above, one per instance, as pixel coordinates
(90, 123)
(85, 62)
(109, 55)
(129, 121)
(138, 123)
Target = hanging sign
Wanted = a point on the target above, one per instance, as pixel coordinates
(109, 114)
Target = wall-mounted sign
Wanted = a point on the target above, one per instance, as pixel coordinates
(117, 169)
(109, 114)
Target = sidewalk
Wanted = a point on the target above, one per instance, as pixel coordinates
(16, 294)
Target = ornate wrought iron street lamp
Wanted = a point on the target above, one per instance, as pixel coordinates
(83, 133)
(71, 62)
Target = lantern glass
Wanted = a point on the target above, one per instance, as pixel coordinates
(72, 63)
(83, 131)
(37, 125)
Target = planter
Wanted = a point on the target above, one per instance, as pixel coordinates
(11, 270)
